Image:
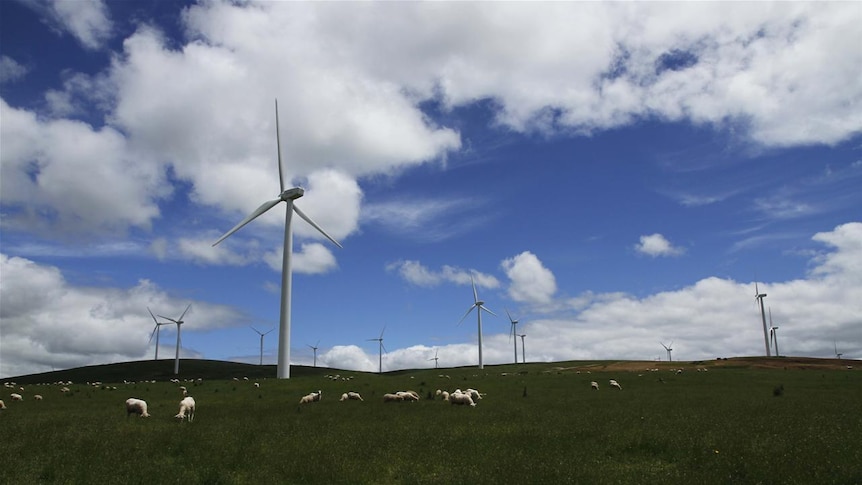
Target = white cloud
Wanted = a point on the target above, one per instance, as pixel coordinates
(415, 273)
(10, 70)
(656, 245)
(531, 281)
(86, 20)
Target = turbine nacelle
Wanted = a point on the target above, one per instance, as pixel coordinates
(292, 194)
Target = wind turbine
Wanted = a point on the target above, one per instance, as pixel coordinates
(512, 334)
(286, 196)
(435, 358)
(837, 354)
(759, 297)
(479, 305)
(261, 341)
(773, 334)
(669, 348)
(156, 332)
(382, 348)
(314, 348)
(523, 352)
(179, 322)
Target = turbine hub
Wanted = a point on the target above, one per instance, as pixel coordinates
(479, 302)
(292, 194)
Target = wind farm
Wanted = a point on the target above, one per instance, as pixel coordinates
(179, 322)
(479, 306)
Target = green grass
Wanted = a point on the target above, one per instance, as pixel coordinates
(725, 426)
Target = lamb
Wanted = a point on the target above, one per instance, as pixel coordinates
(187, 409)
(16, 397)
(137, 406)
(392, 397)
(312, 397)
(445, 395)
(594, 385)
(616, 384)
(461, 398)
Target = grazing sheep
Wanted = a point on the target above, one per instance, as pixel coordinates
(354, 396)
(256, 384)
(392, 397)
(312, 397)
(343, 397)
(461, 398)
(137, 406)
(445, 395)
(37, 397)
(2, 404)
(594, 385)
(187, 409)
(408, 395)
(16, 397)
(616, 384)
(474, 394)
(64, 390)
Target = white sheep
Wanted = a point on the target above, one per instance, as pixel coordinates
(445, 395)
(2, 404)
(257, 384)
(354, 396)
(37, 397)
(16, 397)
(408, 395)
(461, 398)
(343, 397)
(187, 409)
(137, 406)
(616, 384)
(392, 397)
(594, 385)
(312, 397)
(64, 390)
(474, 394)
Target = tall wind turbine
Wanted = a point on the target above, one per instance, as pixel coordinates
(156, 332)
(479, 305)
(837, 354)
(523, 352)
(759, 297)
(179, 322)
(314, 348)
(261, 341)
(512, 335)
(773, 334)
(435, 358)
(669, 349)
(382, 348)
(286, 196)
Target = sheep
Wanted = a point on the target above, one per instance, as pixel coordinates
(445, 395)
(37, 397)
(64, 390)
(343, 397)
(16, 397)
(257, 385)
(408, 395)
(187, 409)
(312, 397)
(354, 396)
(461, 398)
(474, 394)
(616, 384)
(2, 404)
(392, 397)
(594, 385)
(137, 406)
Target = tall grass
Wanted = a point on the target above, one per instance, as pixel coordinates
(724, 426)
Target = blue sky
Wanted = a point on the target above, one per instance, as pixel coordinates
(615, 175)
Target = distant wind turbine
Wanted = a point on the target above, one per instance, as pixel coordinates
(261, 341)
(759, 297)
(773, 334)
(382, 348)
(435, 358)
(286, 196)
(314, 348)
(179, 322)
(837, 354)
(669, 349)
(512, 335)
(156, 332)
(479, 305)
(523, 352)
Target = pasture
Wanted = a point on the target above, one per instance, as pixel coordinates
(740, 422)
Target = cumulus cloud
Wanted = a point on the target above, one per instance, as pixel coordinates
(86, 20)
(656, 245)
(416, 273)
(531, 281)
(10, 70)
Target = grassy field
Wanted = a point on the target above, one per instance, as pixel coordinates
(744, 421)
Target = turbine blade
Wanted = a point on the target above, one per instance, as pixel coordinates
(314, 225)
(153, 333)
(473, 284)
(468, 312)
(482, 307)
(184, 313)
(154, 317)
(381, 332)
(278, 143)
(166, 318)
(509, 315)
(260, 210)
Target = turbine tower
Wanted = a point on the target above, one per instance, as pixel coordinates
(156, 332)
(773, 334)
(669, 349)
(381, 349)
(261, 341)
(759, 297)
(435, 358)
(288, 197)
(837, 354)
(512, 335)
(179, 322)
(523, 352)
(314, 348)
(479, 305)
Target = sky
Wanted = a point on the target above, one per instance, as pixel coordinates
(616, 176)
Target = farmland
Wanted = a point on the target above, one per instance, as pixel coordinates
(742, 421)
